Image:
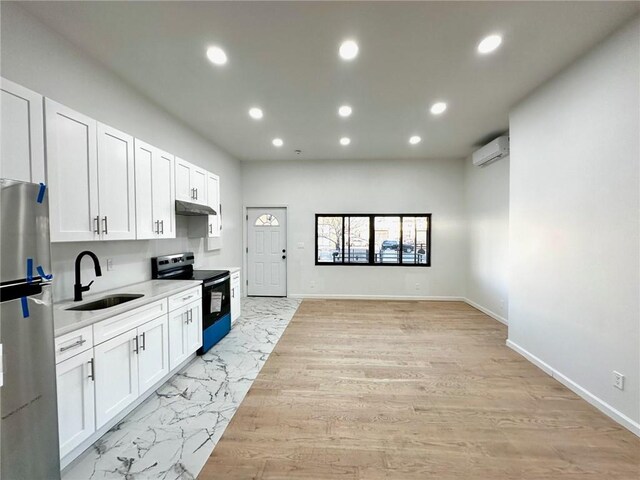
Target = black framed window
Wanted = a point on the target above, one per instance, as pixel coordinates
(373, 239)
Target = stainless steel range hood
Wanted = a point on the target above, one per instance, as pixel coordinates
(193, 209)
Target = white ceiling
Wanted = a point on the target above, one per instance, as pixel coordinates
(283, 58)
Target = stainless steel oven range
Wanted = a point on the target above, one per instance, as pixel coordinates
(216, 296)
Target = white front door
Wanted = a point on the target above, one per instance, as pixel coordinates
(267, 255)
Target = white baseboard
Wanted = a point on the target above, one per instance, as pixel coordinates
(600, 404)
(486, 311)
(338, 296)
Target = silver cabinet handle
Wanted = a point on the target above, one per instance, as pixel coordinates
(210, 228)
(73, 345)
(97, 229)
(157, 231)
(193, 194)
(233, 293)
(144, 342)
(106, 228)
(92, 371)
(162, 227)
(196, 193)
(184, 299)
(135, 349)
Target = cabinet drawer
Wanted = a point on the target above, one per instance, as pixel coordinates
(179, 299)
(73, 343)
(107, 329)
(235, 278)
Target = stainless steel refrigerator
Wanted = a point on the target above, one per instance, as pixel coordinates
(28, 404)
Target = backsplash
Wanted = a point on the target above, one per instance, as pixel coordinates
(131, 261)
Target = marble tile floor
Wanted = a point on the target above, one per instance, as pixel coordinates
(172, 433)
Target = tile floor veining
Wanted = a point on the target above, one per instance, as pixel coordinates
(172, 433)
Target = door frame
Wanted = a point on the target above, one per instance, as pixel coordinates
(245, 244)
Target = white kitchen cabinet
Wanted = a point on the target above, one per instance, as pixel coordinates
(72, 174)
(235, 297)
(213, 199)
(153, 357)
(191, 182)
(116, 375)
(185, 332)
(116, 185)
(21, 133)
(76, 401)
(90, 170)
(155, 192)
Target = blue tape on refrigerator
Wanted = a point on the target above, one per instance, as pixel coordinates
(40, 197)
(25, 307)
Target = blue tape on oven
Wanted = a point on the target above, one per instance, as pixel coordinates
(40, 198)
(25, 307)
(43, 275)
(29, 270)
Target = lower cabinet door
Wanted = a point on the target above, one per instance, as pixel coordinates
(194, 327)
(153, 360)
(178, 320)
(116, 375)
(76, 401)
(235, 297)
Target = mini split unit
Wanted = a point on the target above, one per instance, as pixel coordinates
(492, 151)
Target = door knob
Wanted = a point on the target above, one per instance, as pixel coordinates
(283, 250)
(284, 256)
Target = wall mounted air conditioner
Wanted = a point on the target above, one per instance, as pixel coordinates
(492, 151)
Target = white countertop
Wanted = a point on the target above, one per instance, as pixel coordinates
(65, 321)
(231, 269)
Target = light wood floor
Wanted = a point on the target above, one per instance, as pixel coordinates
(412, 390)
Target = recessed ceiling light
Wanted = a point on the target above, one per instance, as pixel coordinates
(255, 113)
(216, 55)
(349, 50)
(345, 141)
(415, 140)
(344, 111)
(438, 107)
(277, 142)
(489, 44)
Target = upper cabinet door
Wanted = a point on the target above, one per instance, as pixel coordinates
(164, 194)
(155, 192)
(116, 184)
(146, 223)
(184, 189)
(199, 185)
(213, 200)
(21, 133)
(72, 174)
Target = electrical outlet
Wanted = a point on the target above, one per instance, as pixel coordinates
(502, 304)
(300, 244)
(109, 264)
(417, 286)
(312, 284)
(618, 380)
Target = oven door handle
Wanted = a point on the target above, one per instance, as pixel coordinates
(217, 282)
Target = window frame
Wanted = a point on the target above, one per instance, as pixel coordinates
(371, 259)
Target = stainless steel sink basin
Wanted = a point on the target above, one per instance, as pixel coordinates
(107, 302)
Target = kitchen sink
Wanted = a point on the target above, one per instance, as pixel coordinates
(107, 302)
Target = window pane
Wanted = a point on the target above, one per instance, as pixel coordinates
(387, 239)
(414, 240)
(356, 242)
(266, 220)
(329, 239)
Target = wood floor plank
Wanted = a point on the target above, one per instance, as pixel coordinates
(381, 390)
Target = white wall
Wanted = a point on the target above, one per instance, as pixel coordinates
(487, 206)
(36, 57)
(394, 186)
(574, 293)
